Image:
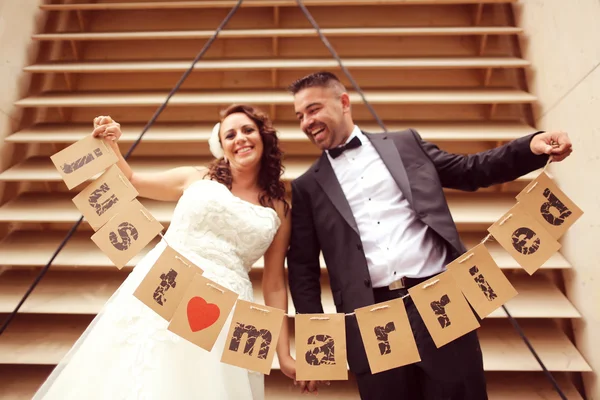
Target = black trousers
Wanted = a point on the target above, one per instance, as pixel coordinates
(452, 372)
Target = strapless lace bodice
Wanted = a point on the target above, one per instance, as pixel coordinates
(218, 226)
(221, 233)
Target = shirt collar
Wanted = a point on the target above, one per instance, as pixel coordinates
(356, 132)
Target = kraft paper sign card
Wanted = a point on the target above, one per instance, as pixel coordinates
(387, 335)
(321, 347)
(202, 312)
(525, 239)
(127, 233)
(549, 205)
(481, 280)
(104, 198)
(253, 335)
(444, 309)
(82, 160)
(165, 283)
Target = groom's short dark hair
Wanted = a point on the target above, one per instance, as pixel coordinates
(317, 79)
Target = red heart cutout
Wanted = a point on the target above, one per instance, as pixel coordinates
(200, 314)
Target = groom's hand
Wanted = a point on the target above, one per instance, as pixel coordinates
(556, 144)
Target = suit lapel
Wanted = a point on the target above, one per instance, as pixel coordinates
(390, 154)
(328, 181)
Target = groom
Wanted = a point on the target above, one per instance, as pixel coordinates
(373, 204)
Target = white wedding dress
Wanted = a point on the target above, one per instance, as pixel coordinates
(127, 351)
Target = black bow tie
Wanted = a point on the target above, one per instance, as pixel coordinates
(352, 144)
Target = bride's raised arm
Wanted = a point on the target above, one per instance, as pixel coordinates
(165, 185)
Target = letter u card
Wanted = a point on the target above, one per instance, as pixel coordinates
(104, 198)
(127, 233)
(549, 205)
(253, 336)
(321, 347)
(82, 160)
(481, 280)
(444, 310)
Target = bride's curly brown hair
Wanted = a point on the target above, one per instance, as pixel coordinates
(271, 168)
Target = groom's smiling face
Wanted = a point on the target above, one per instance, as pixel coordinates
(322, 112)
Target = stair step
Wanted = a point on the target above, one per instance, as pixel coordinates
(200, 132)
(45, 339)
(279, 64)
(81, 253)
(248, 3)
(85, 292)
(258, 97)
(41, 169)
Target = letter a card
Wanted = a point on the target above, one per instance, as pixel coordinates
(387, 335)
(164, 285)
(444, 309)
(82, 160)
(525, 239)
(321, 347)
(127, 233)
(481, 280)
(549, 205)
(253, 335)
(202, 312)
(104, 198)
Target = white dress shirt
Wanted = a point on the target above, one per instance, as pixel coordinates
(395, 241)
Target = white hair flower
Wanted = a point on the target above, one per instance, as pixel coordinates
(213, 142)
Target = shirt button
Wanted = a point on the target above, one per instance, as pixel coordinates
(394, 272)
(369, 199)
(378, 222)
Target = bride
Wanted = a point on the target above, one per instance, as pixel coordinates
(127, 351)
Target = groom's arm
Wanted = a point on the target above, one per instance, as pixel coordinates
(304, 270)
(473, 171)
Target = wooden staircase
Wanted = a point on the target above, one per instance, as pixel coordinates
(449, 68)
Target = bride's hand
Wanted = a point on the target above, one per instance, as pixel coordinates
(288, 367)
(105, 127)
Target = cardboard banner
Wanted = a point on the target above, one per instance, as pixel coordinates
(444, 310)
(321, 347)
(202, 312)
(253, 336)
(387, 335)
(105, 197)
(82, 160)
(481, 280)
(127, 233)
(549, 205)
(528, 242)
(165, 283)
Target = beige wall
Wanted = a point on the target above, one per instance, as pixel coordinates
(562, 40)
(19, 19)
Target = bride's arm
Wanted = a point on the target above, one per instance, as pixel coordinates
(164, 185)
(275, 289)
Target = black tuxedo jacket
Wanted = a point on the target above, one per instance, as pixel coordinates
(322, 220)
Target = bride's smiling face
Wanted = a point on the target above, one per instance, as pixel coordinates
(241, 141)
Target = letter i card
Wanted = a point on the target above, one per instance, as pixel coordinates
(481, 280)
